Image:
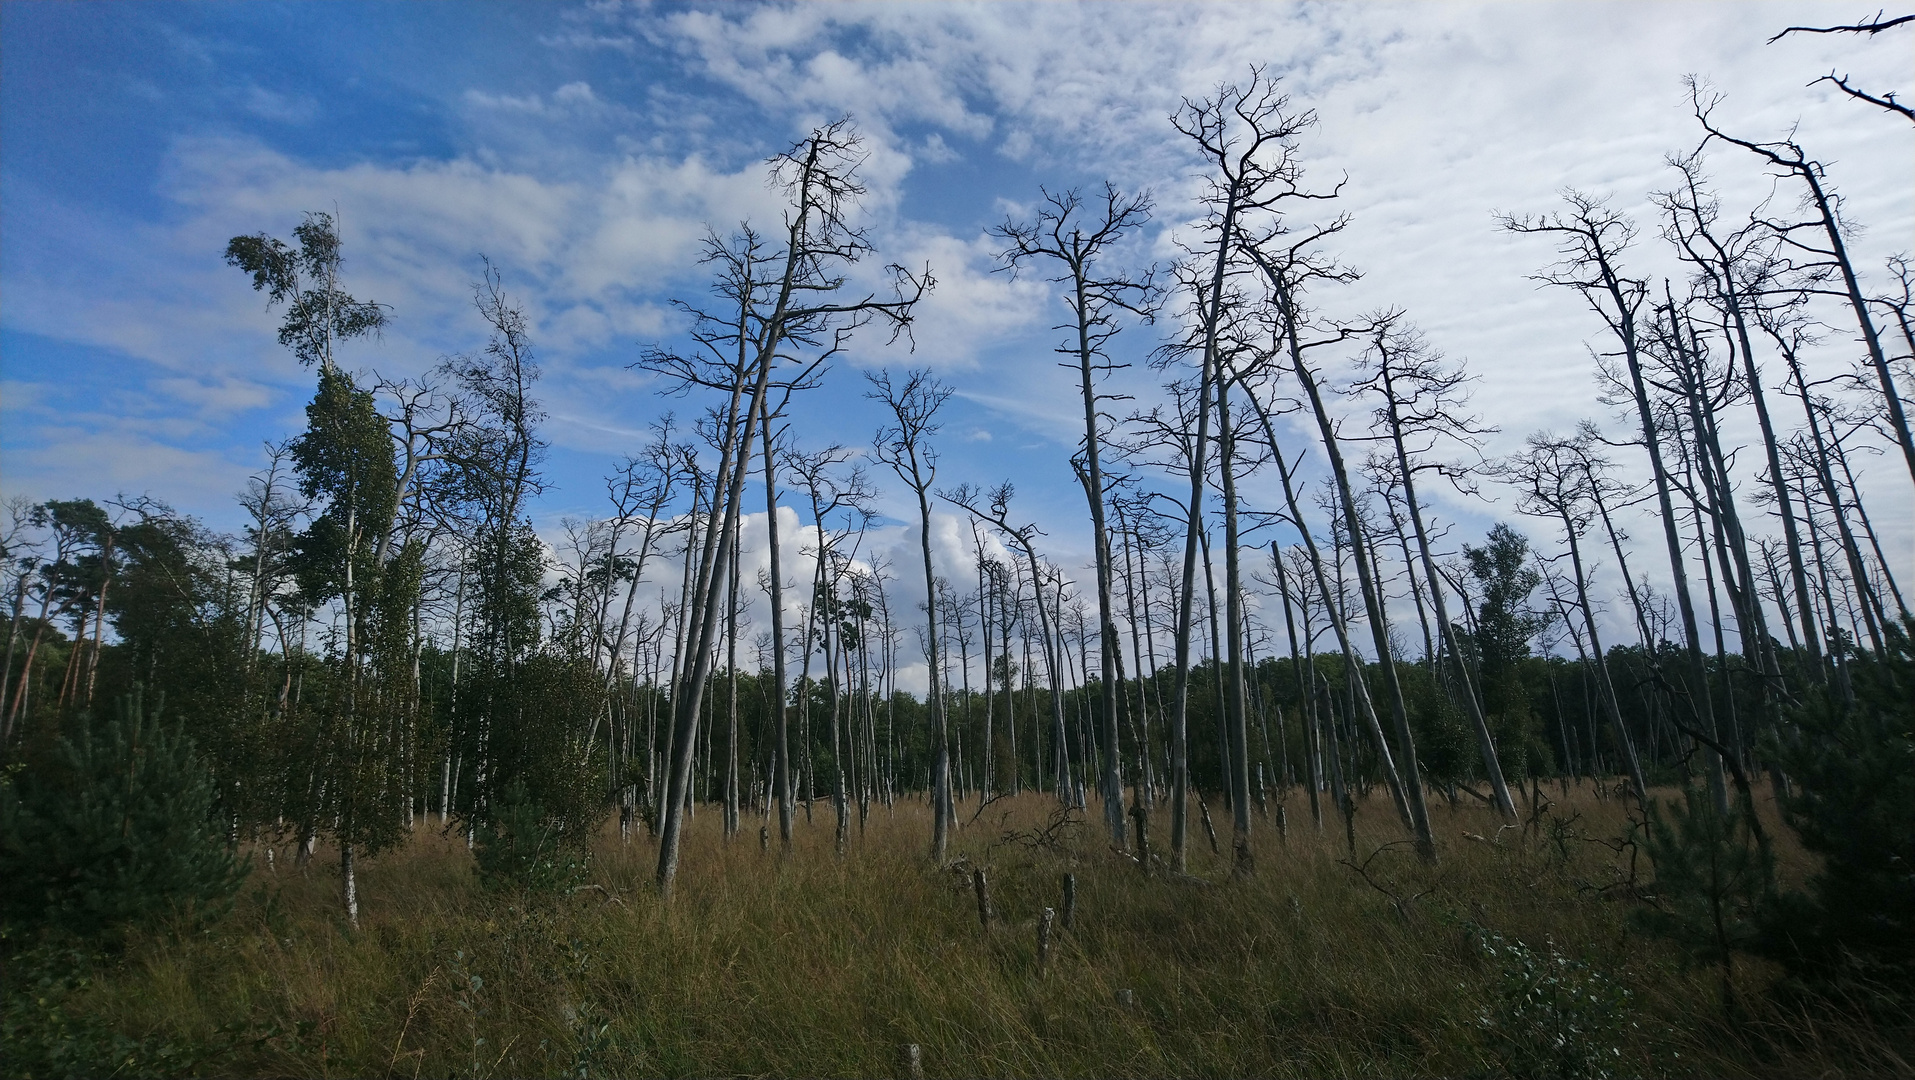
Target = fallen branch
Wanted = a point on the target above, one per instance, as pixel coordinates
(1396, 899)
(985, 803)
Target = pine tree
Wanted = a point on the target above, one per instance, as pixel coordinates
(1852, 802)
(117, 828)
(1715, 879)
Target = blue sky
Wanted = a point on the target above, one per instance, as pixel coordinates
(584, 148)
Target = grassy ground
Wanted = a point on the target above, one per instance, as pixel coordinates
(820, 966)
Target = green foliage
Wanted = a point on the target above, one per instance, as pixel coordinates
(1714, 882)
(1852, 765)
(523, 846)
(1504, 621)
(306, 281)
(345, 457)
(540, 719)
(510, 570)
(117, 828)
(41, 1035)
(1443, 744)
(1552, 1015)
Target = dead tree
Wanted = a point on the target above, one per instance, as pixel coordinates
(1423, 400)
(1731, 275)
(1828, 253)
(778, 304)
(905, 445)
(1287, 269)
(1871, 28)
(1076, 237)
(1550, 481)
(1245, 137)
(1592, 239)
(994, 507)
(828, 496)
(1319, 574)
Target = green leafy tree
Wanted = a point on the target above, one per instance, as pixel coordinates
(526, 846)
(79, 582)
(1505, 623)
(306, 280)
(345, 462)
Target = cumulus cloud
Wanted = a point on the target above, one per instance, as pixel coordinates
(593, 197)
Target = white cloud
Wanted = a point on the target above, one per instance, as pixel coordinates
(1438, 114)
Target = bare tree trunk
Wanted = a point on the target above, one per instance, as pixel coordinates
(1719, 268)
(1608, 687)
(1337, 624)
(1597, 249)
(731, 707)
(1234, 694)
(1412, 783)
(1479, 724)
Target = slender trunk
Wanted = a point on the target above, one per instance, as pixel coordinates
(1868, 530)
(943, 814)
(1608, 688)
(1338, 624)
(350, 879)
(1234, 694)
(1473, 705)
(1698, 696)
(1110, 776)
(1878, 359)
(721, 533)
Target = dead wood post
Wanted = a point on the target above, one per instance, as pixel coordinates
(982, 886)
(1141, 814)
(1044, 938)
(910, 1062)
(1070, 899)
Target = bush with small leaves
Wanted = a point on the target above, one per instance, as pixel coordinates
(1552, 1015)
(1715, 880)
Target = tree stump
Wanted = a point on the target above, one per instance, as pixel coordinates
(1044, 938)
(1070, 900)
(983, 888)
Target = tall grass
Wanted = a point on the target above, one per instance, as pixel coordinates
(821, 966)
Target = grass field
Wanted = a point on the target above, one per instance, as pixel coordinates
(1516, 954)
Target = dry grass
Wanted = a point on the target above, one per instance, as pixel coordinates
(816, 966)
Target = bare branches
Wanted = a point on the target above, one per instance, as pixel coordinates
(1872, 27)
(1886, 101)
(904, 442)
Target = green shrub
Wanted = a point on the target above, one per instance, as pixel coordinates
(1552, 1015)
(115, 828)
(1715, 879)
(1852, 767)
(42, 1035)
(524, 847)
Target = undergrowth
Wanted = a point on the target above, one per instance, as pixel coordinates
(1516, 955)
